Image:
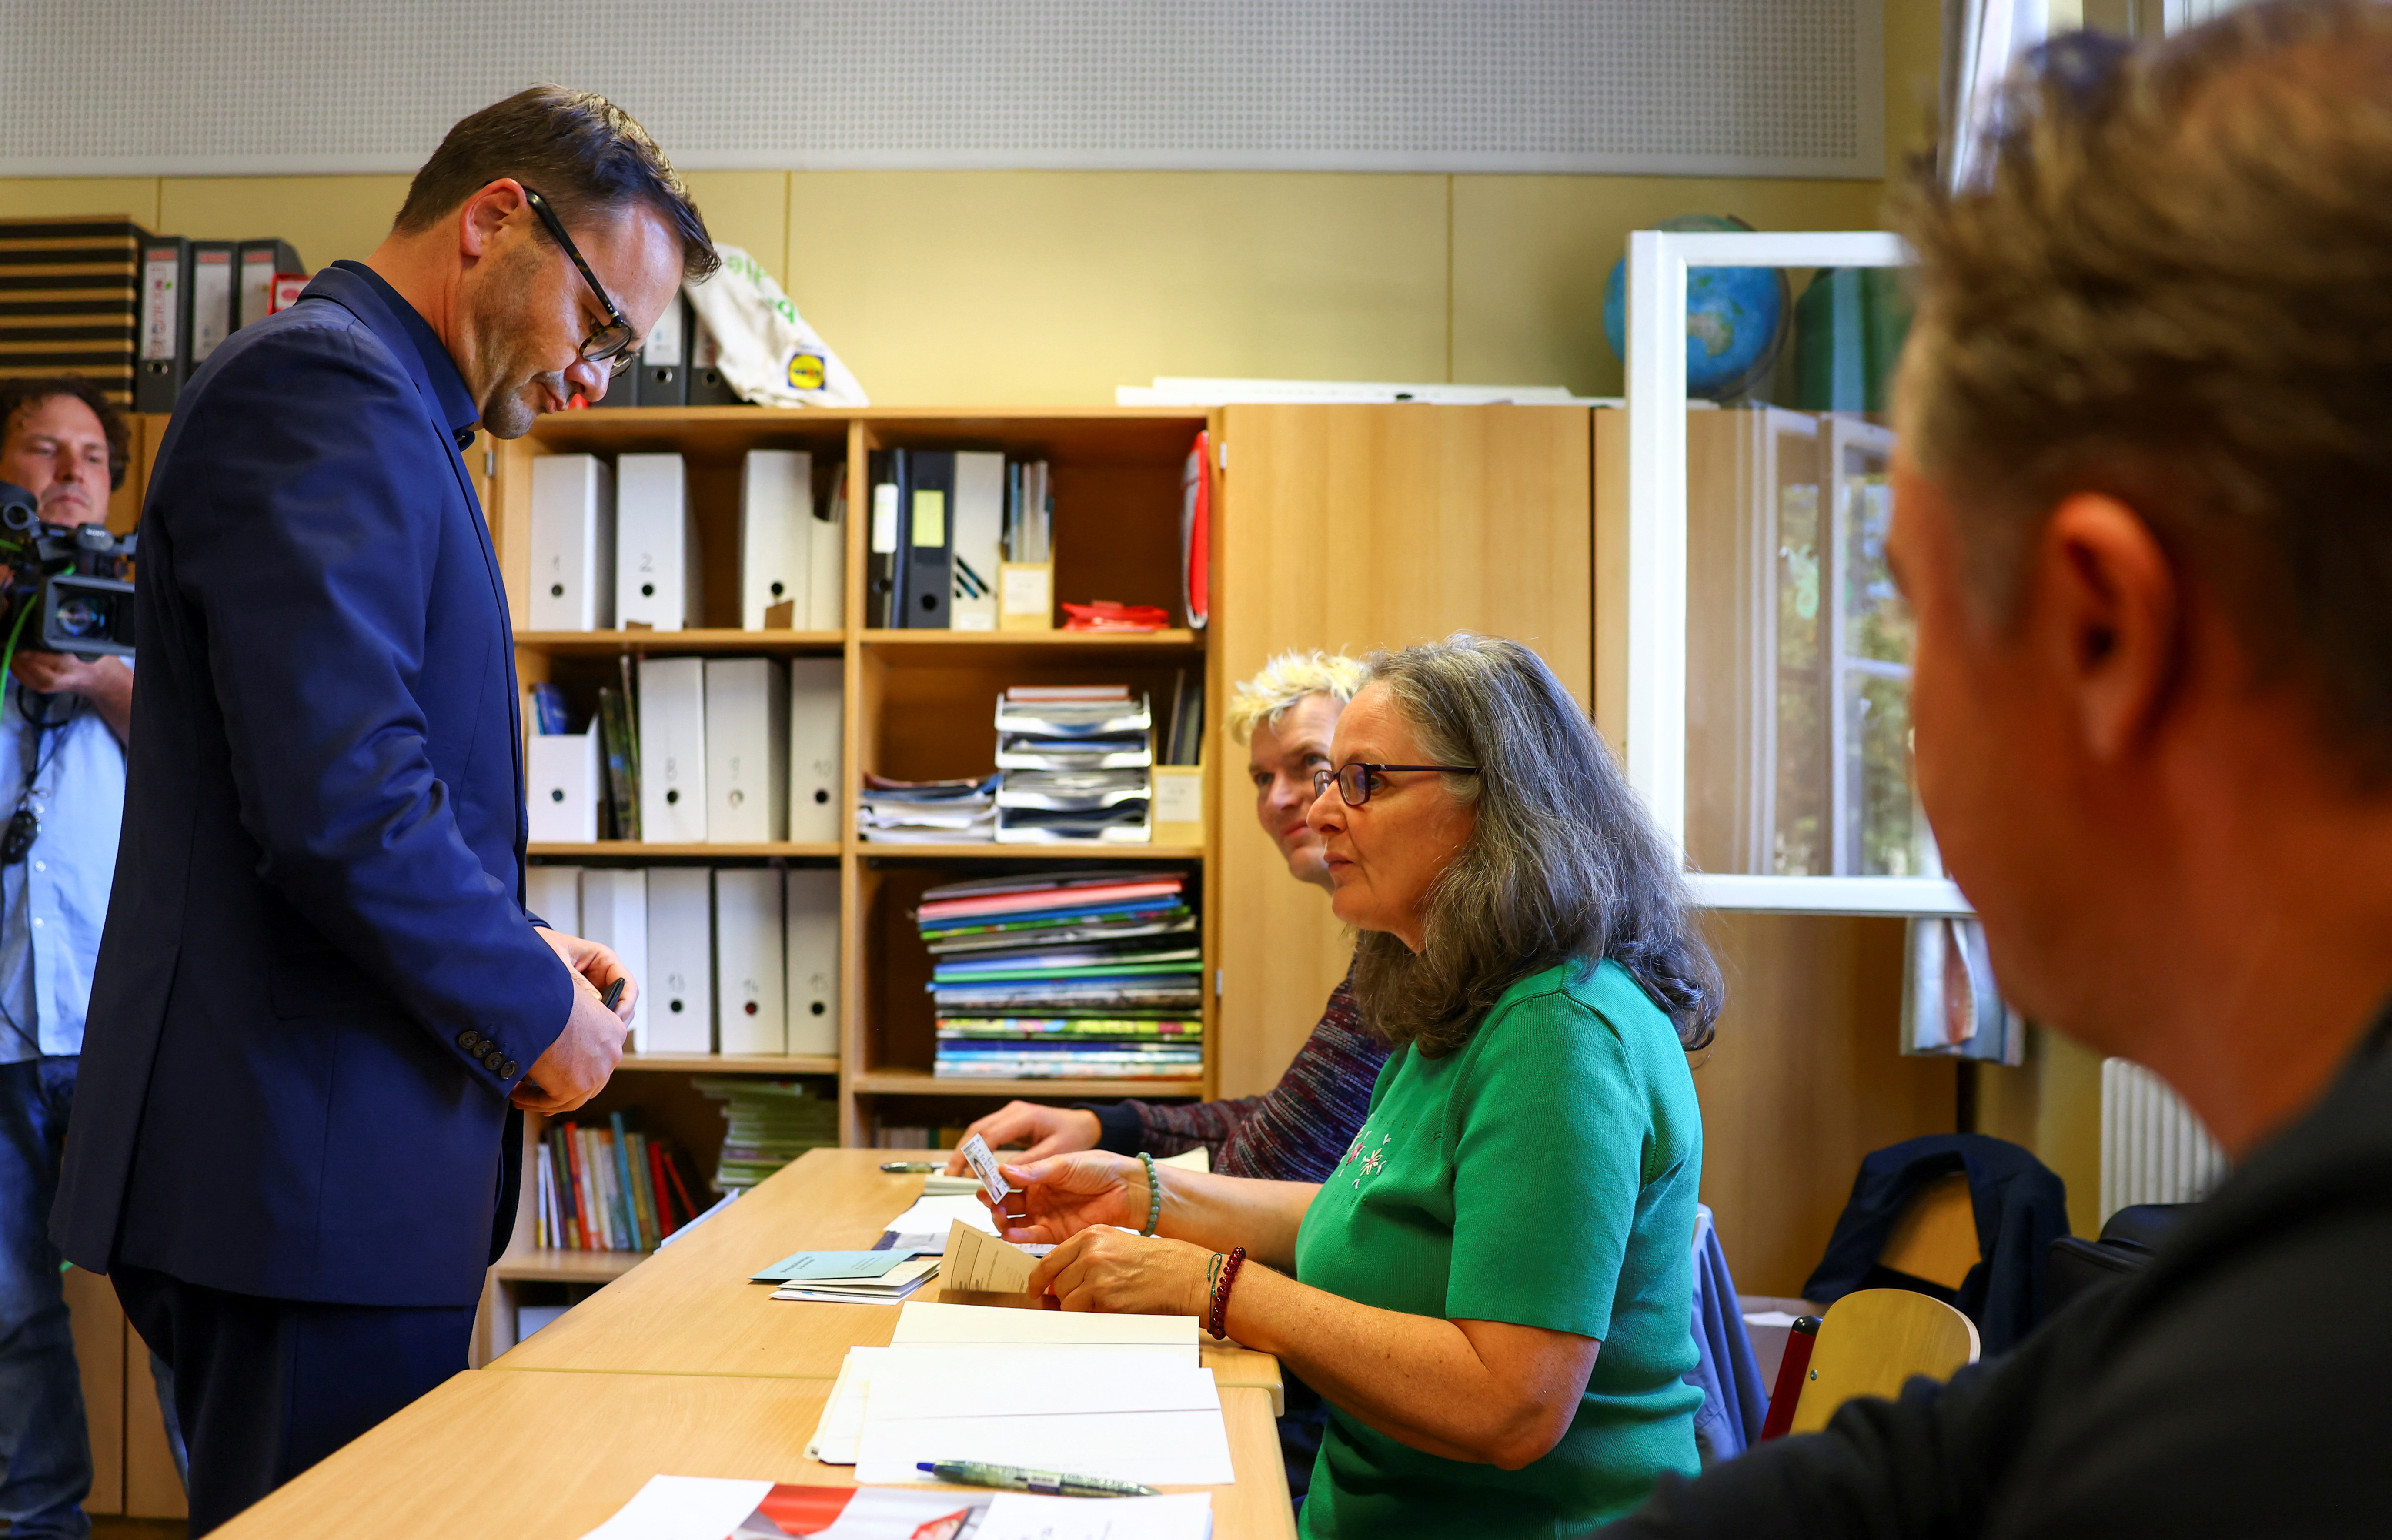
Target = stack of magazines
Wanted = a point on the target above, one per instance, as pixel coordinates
(1092, 974)
(928, 812)
(1074, 762)
(770, 1123)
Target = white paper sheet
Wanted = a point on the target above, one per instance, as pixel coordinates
(925, 1224)
(1034, 1382)
(921, 1323)
(682, 1507)
(1157, 1448)
(1026, 1516)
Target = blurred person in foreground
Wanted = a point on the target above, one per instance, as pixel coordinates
(1493, 1288)
(320, 1004)
(2144, 519)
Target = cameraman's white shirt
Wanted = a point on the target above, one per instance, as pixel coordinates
(54, 903)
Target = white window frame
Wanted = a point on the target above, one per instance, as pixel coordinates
(1658, 262)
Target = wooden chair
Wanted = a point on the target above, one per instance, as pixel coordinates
(1870, 1344)
(1935, 1240)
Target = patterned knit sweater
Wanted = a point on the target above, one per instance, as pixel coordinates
(1296, 1133)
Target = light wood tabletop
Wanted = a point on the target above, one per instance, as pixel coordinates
(689, 1309)
(549, 1457)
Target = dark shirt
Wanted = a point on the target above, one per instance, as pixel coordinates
(1296, 1131)
(2235, 1387)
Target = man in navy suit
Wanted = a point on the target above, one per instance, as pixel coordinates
(318, 992)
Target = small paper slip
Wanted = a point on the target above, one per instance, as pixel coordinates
(938, 1185)
(887, 1289)
(1027, 1516)
(984, 1164)
(924, 1227)
(984, 1263)
(921, 1323)
(812, 1266)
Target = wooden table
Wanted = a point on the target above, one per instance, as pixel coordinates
(682, 1367)
(689, 1309)
(549, 1457)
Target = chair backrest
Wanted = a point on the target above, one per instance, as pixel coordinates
(1936, 1237)
(1873, 1341)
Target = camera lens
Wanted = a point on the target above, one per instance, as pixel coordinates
(81, 618)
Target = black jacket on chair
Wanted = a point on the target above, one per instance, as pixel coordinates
(2021, 1207)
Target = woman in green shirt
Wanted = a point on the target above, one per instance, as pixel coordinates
(1493, 1288)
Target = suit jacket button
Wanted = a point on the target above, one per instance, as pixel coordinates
(470, 1041)
(493, 1056)
(507, 1070)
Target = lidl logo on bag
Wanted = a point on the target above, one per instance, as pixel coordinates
(805, 371)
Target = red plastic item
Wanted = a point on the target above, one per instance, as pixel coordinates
(1790, 1370)
(1105, 615)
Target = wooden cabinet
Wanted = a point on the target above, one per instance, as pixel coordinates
(132, 1470)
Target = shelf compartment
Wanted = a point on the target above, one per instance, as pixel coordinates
(1073, 854)
(974, 646)
(578, 643)
(642, 850)
(730, 1063)
(921, 1082)
(555, 1265)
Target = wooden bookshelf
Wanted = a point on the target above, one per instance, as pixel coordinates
(555, 1265)
(918, 704)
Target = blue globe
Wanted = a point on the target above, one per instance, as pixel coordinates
(1736, 319)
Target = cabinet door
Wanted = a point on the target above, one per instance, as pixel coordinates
(100, 1341)
(1359, 526)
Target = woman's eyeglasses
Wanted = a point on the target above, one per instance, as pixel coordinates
(1354, 782)
(610, 344)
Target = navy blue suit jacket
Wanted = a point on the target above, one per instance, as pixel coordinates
(317, 983)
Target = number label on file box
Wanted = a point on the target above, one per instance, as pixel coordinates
(746, 750)
(748, 967)
(212, 297)
(561, 770)
(815, 803)
(672, 750)
(615, 914)
(776, 509)
(572, 543)
(656, 543)
(681, 959)
(812, 940)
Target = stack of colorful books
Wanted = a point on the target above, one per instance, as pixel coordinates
(770, 1123)
(610, 1188)
(1086, 974)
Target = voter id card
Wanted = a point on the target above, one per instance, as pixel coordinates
(984, 1164)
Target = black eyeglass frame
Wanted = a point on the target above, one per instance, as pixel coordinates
(1358, 773)
(611, 343)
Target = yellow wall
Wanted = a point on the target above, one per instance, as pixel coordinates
(1016, 288)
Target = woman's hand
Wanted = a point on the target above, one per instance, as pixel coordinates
(1064, 1195)
(1121, 1274)
(1047, 1131)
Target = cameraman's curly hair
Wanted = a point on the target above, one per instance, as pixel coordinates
(20, 396)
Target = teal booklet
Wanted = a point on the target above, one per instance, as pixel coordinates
(814, 1267)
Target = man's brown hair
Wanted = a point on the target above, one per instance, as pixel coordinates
(2173, 284)
(18, 397)
(587, 156)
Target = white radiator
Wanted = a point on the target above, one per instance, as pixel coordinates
(2154, 1149)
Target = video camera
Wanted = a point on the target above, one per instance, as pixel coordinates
(74, 577)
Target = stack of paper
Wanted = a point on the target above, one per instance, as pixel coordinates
(924, 1227)
(1074, 762)
(849, 1277)
(953, 812)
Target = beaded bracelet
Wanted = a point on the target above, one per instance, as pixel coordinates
(1220, 1324)
(1153, 1197)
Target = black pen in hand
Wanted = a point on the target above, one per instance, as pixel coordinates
(614, 994)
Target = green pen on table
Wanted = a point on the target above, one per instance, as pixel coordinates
(1048, 1483)
(908, 1167)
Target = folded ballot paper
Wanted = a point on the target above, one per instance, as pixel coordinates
(704, 1507)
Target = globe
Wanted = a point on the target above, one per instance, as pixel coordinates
(1736, 318)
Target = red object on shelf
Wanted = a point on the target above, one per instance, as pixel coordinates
(1105, 615)
(1196, 531)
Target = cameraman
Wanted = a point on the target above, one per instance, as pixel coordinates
(63, 726)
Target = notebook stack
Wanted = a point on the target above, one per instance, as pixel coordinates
(928, 812)
(771, 1123)
(1081, 974)
(1074, 763)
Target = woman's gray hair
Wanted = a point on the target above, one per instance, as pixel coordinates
(1563, 867)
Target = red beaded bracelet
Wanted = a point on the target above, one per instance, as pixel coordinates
(1219, 1325)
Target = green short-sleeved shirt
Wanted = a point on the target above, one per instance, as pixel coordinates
(1544, 1174)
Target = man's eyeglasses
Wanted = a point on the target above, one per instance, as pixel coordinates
(611, 343)
(1354, 781)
